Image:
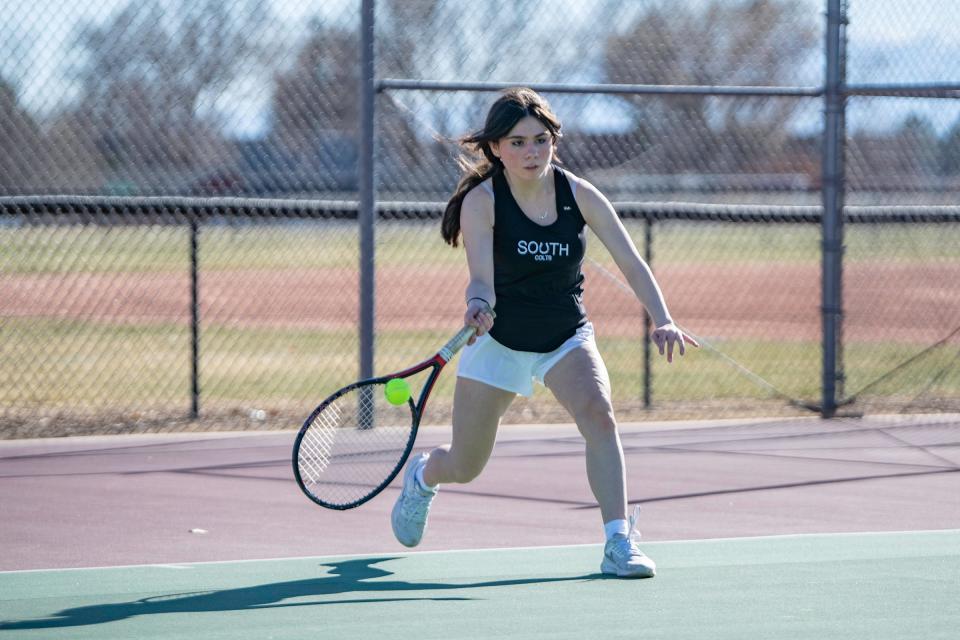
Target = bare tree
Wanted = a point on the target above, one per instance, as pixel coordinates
(320, 91)
(949, 148)
(522, 41)
(315, 111)
(21, 144)
(146, 73)
(748, 42)
(900, 157)
(916, 142)
(14, 56)
(21, 141)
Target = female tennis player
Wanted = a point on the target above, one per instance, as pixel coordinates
(522, 219)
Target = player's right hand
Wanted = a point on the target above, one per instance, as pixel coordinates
(479, 315)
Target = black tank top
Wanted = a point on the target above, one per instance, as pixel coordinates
(537, 271)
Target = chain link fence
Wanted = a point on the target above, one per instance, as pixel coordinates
(179, 243)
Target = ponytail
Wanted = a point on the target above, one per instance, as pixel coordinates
(450, 225)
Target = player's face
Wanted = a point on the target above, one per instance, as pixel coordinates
(527, 150)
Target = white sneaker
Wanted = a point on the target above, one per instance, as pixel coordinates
(623, 558)
(409, 517)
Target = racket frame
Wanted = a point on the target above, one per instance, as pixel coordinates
(436, 363)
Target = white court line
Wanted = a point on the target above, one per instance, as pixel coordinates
(404, 554)
(506, 430)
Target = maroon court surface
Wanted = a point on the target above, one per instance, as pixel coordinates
(118, 500)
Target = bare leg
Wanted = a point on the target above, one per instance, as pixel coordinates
(477, 409)
(581, 384)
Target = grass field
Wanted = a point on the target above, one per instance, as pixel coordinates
(89, 366)
(327, 244)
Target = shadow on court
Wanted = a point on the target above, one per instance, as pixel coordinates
(346, 577)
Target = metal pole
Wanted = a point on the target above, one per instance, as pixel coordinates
(833, 192)
(366, 187)
(390, 84)
(194, 317)
(647, 351)
(367, 209)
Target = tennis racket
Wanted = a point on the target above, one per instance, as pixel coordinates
(355, 443)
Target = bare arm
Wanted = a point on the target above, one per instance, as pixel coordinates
(476, 225)
(604, 222)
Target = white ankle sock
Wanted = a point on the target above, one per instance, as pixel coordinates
(616, 526)
(423, 485)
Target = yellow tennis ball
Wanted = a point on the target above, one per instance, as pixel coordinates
(397, 391)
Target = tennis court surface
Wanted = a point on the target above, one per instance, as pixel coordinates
(764, 529)
(886, 585)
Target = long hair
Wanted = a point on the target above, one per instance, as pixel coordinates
(476, 160)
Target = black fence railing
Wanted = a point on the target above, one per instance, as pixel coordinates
(271, 224)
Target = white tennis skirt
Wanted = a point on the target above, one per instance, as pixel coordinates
(488, 361)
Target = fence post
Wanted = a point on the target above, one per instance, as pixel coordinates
(194, 316)
(647, 353)
(365, 184)
(366, 215)
(833, 192)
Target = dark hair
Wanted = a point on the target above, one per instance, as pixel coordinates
(477, 161)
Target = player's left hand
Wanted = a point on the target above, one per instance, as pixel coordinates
(668, 335)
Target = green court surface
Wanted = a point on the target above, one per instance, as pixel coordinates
(872, 585)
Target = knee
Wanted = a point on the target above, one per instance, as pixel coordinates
(595, 419)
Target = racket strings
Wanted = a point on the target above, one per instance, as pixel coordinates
(353, 444)
(317, 444)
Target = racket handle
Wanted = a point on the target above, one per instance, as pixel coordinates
(456, 343)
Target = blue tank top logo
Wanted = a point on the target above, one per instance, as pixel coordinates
(542, 251)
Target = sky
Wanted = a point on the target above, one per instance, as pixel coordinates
(885, 36)
(47, 29)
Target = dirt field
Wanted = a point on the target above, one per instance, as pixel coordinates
(883, 302)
